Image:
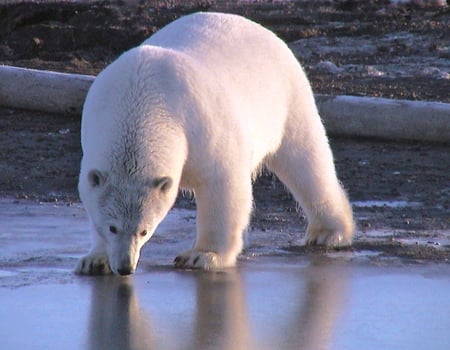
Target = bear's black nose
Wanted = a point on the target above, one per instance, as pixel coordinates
(124, 271)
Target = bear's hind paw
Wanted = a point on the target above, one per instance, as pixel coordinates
(94, 264)
(194, 259)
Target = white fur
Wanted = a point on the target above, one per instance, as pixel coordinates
(205, 102)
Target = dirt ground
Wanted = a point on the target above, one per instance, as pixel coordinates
(40, 152)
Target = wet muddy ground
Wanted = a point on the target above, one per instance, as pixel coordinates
(403, 188)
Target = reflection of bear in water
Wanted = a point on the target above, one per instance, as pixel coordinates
(202, 105)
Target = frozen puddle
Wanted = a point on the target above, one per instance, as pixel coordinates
(270, 304)
(272, 300)
(406, 65)
(386, 204)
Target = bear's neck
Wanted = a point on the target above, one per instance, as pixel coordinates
(149, 148)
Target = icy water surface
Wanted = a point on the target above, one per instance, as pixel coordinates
(273, 299)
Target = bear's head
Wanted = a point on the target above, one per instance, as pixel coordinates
(125, 213)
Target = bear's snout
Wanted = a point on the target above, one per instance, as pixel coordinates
(124, 271)
(125, 267)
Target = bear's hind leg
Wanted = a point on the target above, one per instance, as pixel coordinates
(305, 165)
(223, 212)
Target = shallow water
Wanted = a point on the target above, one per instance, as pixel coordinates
(272, 300)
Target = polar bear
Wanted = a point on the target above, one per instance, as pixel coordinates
(202, 105)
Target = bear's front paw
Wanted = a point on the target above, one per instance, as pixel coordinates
(194, 259)
(93, 264)
(327, 238)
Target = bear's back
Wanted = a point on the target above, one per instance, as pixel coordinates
(220, 39)
(244, 65)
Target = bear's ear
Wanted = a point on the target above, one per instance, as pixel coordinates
(96, 178)
(162, 183)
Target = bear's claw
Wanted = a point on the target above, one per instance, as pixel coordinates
(95, 264)
(193, 259)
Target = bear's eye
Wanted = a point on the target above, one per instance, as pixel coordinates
(143, 233)
(113, 229)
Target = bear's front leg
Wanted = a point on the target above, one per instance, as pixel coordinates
(96, 262)
(223, 213)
